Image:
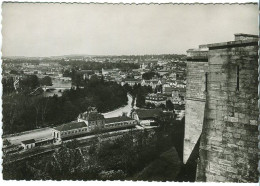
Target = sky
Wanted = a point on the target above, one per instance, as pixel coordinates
(41, 30)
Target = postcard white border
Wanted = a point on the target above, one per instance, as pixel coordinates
(110, 183)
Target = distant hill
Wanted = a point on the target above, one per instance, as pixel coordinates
(84, 56)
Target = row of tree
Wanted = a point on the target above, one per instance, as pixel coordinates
(139, 93)
(26, 84)
(22, 112)
(168, 106)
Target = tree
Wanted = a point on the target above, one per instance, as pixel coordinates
(102, 79)
(150, 105)
(67, 73)
(14, 72)
(36, 105)
(128, 88)
(6, 142)
(149, 75)
(165, 119)
(66, 163)
(140, 100)
(8, 85)
(162, 106)
(30, 82)
(169, 105)
(34, 81)
(72, 144)
(22, 112)
(44, 109)
(158, 89)
(46, 81)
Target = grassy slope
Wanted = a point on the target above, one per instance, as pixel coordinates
(165, 168)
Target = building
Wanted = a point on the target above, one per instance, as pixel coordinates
(92, 119)
(28, 144)
(88, 122)
(179, 114)
(69, 129)
(146, 117)
(31, 143)
(148, 64)
(181, 85)
(121, 121)
(172, 76)
(85, 74)
(109, 71)
(156, 99)
(45, 64)
(163, 72)
(222, 112)
(177, 96)
(167, 90)
(130, 81)
(153, 83)
(12, 148)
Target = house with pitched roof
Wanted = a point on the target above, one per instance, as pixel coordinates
(156, 99)
(153, 83)
(121, 121)
(28, 144)
(69, 129)
(92, 118)
(130, 81)
(146, 117)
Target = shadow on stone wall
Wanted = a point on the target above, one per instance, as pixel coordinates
(188, 170)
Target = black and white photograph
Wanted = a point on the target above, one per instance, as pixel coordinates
(130, 92)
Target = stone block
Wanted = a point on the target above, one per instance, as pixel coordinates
(232, 170)
(215, 147)
(253, 122)
(251, 150)
(225, 162)
(232, 119)
(221, 179)
(241, 143)
(210, 177)
(230, 157)
(237, 136)
(230, 129)
(232, 146)
(241, 131)
(216, 138)
(241, 115)
(227, 134)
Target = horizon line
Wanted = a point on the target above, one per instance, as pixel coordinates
(68, 55)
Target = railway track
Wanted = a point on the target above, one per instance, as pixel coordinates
(84, 140)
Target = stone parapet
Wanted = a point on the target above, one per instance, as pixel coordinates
(241, 36)
(200, 55)
(234, 44)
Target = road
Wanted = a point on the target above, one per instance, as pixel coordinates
(119, 111)
(47, 132)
